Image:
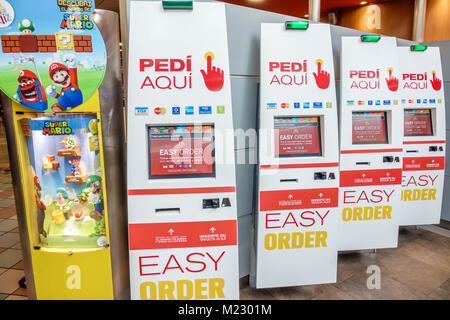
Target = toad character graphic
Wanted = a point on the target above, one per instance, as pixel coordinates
(30, 92)
(66, 78)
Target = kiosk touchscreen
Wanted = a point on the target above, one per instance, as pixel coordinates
(181, 179)
(55, 120)
(371, 143)
(295, 226)
(424, 135)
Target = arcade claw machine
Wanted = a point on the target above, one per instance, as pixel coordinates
(62, 103)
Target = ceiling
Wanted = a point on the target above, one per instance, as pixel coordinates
(296, 8)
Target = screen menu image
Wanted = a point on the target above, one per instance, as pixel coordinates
(181, 151)
(297, 137)
(418, 122)
(369, 127)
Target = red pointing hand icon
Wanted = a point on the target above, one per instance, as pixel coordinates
(213, 76)
(322, 77)
(392, 82)
(436, 83)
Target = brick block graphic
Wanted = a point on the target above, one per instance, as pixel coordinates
(41, 43)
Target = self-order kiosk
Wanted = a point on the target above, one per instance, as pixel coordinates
(296, 222)
(371, 143)
(181, 173)
(422, 99)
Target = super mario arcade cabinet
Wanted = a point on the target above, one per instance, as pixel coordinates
(65, 142)
(423, 134)
(181, 173)
(371, 120)
(296, 223)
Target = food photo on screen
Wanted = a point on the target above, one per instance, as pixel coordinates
(181, 151)
(297, 137)
(369, 127)
(418, 122)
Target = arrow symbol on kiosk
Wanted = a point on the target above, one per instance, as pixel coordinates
(171, 231)
(212, 229)
(290, 196)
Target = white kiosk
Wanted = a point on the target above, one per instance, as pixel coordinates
(371, 143)
(424, 135)
(296, 222)
(181, 186)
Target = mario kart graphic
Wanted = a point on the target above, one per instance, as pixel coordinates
(30, 92)
(65, 78)
(58, 58)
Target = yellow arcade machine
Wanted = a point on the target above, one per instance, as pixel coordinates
(64, 119)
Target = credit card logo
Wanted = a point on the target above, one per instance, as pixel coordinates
(160, 111)
(377, 102)
(350, 102)
(297, 105)
(285, 105)
(386, 102)
(370, 102)
(204, 110)
(189, 110)
(220, 109)
(176, 110)
(317, 105)
(271, 105)
(360, 102)
(141, 111)
(432, 100)
(306, 105)
(329, 105)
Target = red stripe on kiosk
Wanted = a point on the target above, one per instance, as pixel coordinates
(146, 236)
(141, 192)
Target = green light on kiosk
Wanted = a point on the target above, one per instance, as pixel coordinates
(299, 25)
(370, 37)
(418, 48)
(177, 5)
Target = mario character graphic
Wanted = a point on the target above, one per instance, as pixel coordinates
(40, 206)
(26, 26)
(30, 92)
(75, 167)
(94, 183)
(66, 78)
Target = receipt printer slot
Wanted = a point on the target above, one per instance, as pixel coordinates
(288, 180)
(167, 211)
(363, 163)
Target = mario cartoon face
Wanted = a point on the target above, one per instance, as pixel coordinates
(61, 78)
(30, 92)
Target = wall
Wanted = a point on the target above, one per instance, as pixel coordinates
(395, 18)
(437, 24)
(445, 58)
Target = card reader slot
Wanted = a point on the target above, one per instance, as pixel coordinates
(363, 163)
(167, 211)
(288, 180)
(412, 151)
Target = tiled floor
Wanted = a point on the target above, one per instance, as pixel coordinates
(11, 265)
(418, 269)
